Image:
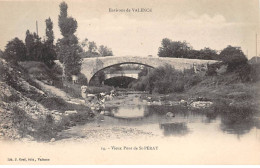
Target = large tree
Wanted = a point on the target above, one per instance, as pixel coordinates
(29, 43)
(49, 31)
(15, 51)
(48, 49)
(233, 57)
(34, 47)
(175, 49)
(68, 46)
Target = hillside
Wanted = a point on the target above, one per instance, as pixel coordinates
(30, 111)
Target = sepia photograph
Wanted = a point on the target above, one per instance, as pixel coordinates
(129, 82)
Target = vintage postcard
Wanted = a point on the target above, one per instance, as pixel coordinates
(129, 82)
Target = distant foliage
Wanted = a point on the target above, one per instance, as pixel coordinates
(105, 51)
(175, 49)
(178, 49)
(15, 51)
(90, 49)
(68, 48)
(233, 57)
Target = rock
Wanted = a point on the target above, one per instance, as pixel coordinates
(106, 113)
(82, 101)
(183, 102)
(52, 140)
(201, 104)
(170, 114)
(144, 101)
(71, 112)
(157, 103)
(57, 117)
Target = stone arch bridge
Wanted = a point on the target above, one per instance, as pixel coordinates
(90, 66)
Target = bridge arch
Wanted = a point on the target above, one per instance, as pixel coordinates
(90, 66)
(117, 65)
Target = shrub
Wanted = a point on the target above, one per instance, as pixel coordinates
(161, 80)
(233, 57)
(21, 120)
(82, 80)
(56, 69)
(248, 72)
(212, 69)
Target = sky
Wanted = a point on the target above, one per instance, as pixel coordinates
(202, 23)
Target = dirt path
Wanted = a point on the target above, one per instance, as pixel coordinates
(58, 92)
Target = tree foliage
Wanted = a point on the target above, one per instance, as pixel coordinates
(36, 50)
(178, 49)
(68, 48)
(233, 57)
(49, 31)
(15, 50)
(90, 49)
(33, 46)
(175, 49)
(105, 51)
(48, 49)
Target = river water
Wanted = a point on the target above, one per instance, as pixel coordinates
(235, 138)
(185, 122)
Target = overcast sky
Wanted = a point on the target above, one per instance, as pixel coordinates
(202, 23)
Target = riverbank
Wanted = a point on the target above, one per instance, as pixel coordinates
(220, 90)
(32, 110)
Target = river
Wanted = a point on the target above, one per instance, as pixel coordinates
(152, 120)
(188, 130)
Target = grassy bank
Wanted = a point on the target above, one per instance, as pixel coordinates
(230, 91)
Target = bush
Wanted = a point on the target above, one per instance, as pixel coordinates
(21, 120)
(233, 57)
(212, 69)
(161, 80)
(82, 80)
(248, 72)
(56, 69)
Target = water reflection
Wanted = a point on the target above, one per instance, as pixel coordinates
(174, 129)
(129, 112)
(236, 122)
